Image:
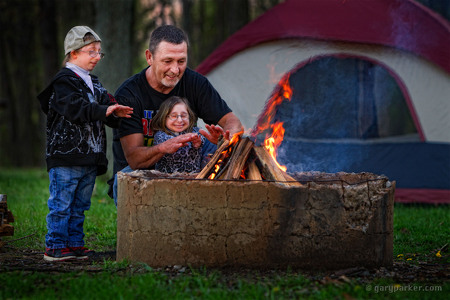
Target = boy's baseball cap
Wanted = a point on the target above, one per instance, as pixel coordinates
(74, 38)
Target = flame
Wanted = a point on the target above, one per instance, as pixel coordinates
(271, 143)
(235, 138)
(275, 131)
(216, 169)
(226, 153)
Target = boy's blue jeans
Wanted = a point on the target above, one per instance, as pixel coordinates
(127, 169)
(70, 195)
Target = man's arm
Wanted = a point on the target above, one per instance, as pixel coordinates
(231, 123)
(228, 126)
(140, 157)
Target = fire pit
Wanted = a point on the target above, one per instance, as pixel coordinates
(325, 221)
(244, 209)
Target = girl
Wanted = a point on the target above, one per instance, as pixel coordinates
(175, 117)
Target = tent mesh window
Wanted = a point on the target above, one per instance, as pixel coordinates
(349, 98)
(342, 114)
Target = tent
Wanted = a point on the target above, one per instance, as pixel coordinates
(371, 88)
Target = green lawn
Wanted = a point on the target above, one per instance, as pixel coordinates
(27, 193)
(421, 234)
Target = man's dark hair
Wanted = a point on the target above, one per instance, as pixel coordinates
(167, 33)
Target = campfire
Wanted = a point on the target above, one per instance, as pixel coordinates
(240, 158)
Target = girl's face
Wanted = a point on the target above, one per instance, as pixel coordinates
(87, 57)
(178, 118)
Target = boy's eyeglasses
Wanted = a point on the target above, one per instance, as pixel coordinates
(93, 53)
(174, 117)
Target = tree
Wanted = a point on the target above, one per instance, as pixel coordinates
(209, 23)
(20, 80)
(32, 38)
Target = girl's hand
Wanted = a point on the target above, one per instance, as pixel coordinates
(119, 111)
(214, 132)
(197, 141)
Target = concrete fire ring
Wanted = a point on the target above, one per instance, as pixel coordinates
(169, 221)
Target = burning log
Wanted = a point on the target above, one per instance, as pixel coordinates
(253, 171)
(6, 217)
(214, 159)
(239, 158)
(271, 170)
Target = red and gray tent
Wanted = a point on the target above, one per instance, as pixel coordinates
(371, 88)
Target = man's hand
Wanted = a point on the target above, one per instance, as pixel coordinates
(140, 157)
(214, 132)
(173, 144)
(119, 111)
(231, 123)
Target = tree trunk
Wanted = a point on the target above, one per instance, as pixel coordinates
(209, 23)
(32, 42)
(21, 76)
(114, 23)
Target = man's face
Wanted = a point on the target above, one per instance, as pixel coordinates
(167, 65)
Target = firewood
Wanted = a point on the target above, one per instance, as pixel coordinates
(253, 172)
(6, 217)
(239, 158)
(9, 217)
(291, 180)
(3, 203)
(271, 170)
(231, 159)
(214, 159)
(6, 230)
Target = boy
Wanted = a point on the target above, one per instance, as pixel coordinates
(77, 106)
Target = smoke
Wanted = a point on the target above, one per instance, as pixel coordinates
(322, 119)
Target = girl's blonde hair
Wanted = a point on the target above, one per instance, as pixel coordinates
(159, 120)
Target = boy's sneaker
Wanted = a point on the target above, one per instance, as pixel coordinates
(58, 254)
(82, 252)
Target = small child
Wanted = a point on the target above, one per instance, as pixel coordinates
(77, 106)
(174, 118)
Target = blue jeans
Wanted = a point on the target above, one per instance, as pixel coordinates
(127, 169)
(70, 195)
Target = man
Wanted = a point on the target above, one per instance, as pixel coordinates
(167, 75)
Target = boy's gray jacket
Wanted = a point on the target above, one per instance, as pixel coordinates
(75, 131)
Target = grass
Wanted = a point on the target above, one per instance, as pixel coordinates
(27, 192)
(419, 233)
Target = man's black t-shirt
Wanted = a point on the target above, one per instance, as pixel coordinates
(135, 92)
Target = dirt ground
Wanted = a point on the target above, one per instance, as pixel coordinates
(12, 259)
